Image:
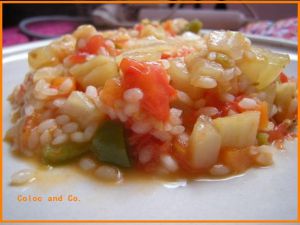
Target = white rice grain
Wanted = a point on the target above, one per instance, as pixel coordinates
(47, 124)
(247, 103)
(59, 102)
(62, 119)
(89, 131)
(66, 85)
(91, 91)
(141, 127)
(108, 173)
(131, 108)
(121, 116)
(206, 82)
(208, 111)
(133, 95)
(70, 127)
(22, 177)
(57, 132)
(78, 137)
(49, 91)
(29, 110)
(145, 154)
(184, 98)
(169, 163)
(228, 97)
(212, 56)
(229, 74)
(45, 138)
(176, 130)
(165, 64)
(87, 164)
(183, 139)
(219, 170)
(60, 139)
(162, 135)
(174, 117)
(33, 140)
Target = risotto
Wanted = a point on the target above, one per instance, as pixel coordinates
(161, 98)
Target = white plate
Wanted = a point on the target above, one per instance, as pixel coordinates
(267, 193)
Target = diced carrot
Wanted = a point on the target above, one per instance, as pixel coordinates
(264, 115)
(58, 81)
(168, 26)
(111, 91)
(237, 160)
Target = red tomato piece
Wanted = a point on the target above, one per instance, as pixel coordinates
(283, 78)
(152, 79)
(77, 58)
(93, 44)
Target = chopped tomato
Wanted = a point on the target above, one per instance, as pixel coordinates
(77, 58)
(111, 91)
(168, 26)
(139, 27)
(166, 55)
(93, 44)
(152, 79)
(283, 78)
(279, 132)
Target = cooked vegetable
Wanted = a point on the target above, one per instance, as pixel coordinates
(109, 144)
(180, 77)
(238, 160)
(264, 67)
(194, 26)
(82, 109)
(285, 92)
(159, 97)
(152, 79)
(238, 130)
(64, 152)
(262, 138)
(41, 57)
(204, 144)
(95, 71)
(231, 43)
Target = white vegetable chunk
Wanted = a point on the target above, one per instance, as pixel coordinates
(204, 143)
(238, 130)
(82, 109)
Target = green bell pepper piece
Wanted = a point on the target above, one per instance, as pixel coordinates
(64, 152)
(109, 144)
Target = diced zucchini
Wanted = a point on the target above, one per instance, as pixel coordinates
(109, 144)
(231, 43)
(264, 67)
(204, 144)
(82, 109)
(238, 130)
(180, 78)
(95, 71)
(41, 57)
(285, 92)
(62, 153)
